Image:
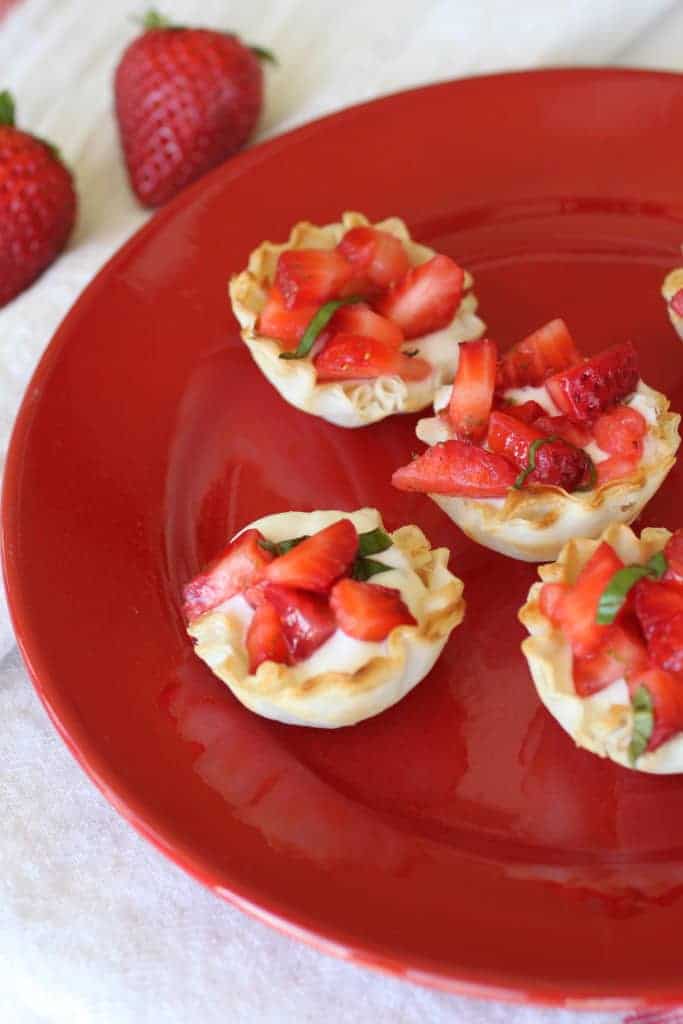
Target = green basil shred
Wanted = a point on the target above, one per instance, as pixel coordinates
(616, 591)
(369, 543)
(318, 323)
(643, 723)
(531, 464)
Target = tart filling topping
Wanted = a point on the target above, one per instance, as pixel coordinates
(626, 622)
(575, 434)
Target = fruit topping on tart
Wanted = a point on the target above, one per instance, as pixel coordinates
(625, 622)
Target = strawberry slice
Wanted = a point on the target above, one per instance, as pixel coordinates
(265, 638)
(576, 612)
(426, 298)
(597, 384)
(286, 325)
(368, 611)
(676, 302)
(674, 557)
(616, 467)
(621, 653)
(620, 431)
(308, 277)
(527, 412)
(544, 352)
(457, 468)
(359, 319)
(239, 565)
(659, 607)
(376, 255)
(556, 463)
(315, 563)
(307, 619)
(562, 427)
(667, 699)
(550, 598)
(352, 357)
(473, 387)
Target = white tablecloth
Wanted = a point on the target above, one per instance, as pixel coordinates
(95, 926)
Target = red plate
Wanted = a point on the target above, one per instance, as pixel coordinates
(459, 839)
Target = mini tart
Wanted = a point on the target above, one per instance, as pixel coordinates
(345, 680)
(532, 524)
(673, 283)
(346, 403)
(602, 723)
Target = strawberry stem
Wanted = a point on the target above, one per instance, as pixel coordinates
(6, 108)
(263, 54)
(153, 19)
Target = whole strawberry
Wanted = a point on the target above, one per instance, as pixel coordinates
(186, 99)
(37, 205)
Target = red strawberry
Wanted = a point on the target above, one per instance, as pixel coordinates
(667, 700)
(556, 462)
(457, 468)
(186, 99)
(673, 552)
(375, 255)
(287, 326)
(616, 467)
(318, 561)
(576, 612)
(620, 431)
(530, 361)
(359, 319)
(621, 653)
(239, 566)
(307, 619)
(37, 205)
(265, 638)
(676, 302)
(659, 607)
(308, 277)
(368, 611)
(527, 412)
(562, 427)
(597, 384)
(426, 298)
(352, 357)
(549, 599)
(472, 394)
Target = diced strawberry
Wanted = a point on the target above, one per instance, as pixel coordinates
(527, 412)
(620, 431)
(472, 394)
(597, 384)
(673, 553)
(562, 427)
(549, 599)
(352, 357)
(285, 325)
(576, 612)
(359, 319)
(620, 653)
(557, 463)
(616, 467)
(659, 607)
(315, 563)
(457, 468)
(676, 302)
(425, 298)
(667, 699)
(368, 611)
(239, 565)
(307, 619)
(376, 255)
(308, 277)
(546, 351)
(265, 638)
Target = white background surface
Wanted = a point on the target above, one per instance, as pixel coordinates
(95, 926)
